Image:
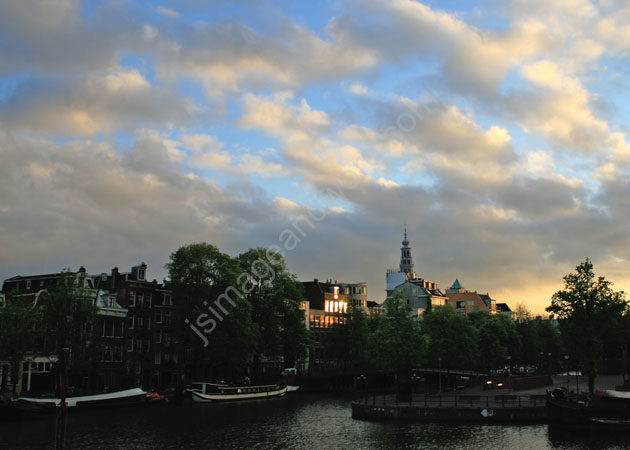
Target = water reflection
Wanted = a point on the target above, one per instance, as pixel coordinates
(300, 422)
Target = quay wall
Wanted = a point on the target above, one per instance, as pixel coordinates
(449, 414)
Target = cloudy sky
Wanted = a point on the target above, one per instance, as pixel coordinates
(499, 132)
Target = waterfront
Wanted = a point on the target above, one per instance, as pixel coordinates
(299, 422)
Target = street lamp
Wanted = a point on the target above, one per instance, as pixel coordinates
(439, 374)
(566, 359)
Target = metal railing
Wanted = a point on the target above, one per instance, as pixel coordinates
(457, 401)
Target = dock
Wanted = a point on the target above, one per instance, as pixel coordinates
(471, 405)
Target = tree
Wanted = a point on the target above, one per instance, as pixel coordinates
(348, 342)
(275, 296)
(398, 343)
(452, 338)
(213, 321)
(587, 308)
(70, 314)
(18, 331)
(496, 339)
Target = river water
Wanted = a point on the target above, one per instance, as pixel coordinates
(296, 422)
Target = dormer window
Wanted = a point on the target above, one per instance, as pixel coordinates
(141, 273)
(28, 284)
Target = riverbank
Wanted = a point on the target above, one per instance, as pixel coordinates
(484, 403)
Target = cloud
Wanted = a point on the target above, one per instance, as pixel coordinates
(121, 100)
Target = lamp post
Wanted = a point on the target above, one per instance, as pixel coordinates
(566, 359)
(440, 374)
(509, 358)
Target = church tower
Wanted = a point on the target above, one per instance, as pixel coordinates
(406, 261)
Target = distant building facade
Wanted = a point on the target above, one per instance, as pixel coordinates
(328, 304)
(421, 294)
(465, 301)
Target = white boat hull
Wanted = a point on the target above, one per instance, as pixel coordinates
(111, 398)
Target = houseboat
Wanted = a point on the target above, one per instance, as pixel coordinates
(219, 392)
(605, 409)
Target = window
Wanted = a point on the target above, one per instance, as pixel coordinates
(130, 344)
(132, 321)
(117, 356)
(167, 339)
(158, 337)
(41, 283)
(471, 302)
(108, 328)
(2, 301)
(158, 316)
(28, 284)
(166, 318)
(140, 298)
(167, 299)
(140, 274)
(132, 298)
(148, 324)
(148, 300)
(107, 354)
(157, 358)
(139, 322)
(112, 302)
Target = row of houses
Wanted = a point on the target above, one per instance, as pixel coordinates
(135, 321)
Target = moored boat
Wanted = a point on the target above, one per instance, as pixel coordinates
(604, 410)
(216, 392)
(120, 398)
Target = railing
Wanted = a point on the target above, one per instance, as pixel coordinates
(457, 401)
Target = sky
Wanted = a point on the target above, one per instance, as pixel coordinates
(498, 132)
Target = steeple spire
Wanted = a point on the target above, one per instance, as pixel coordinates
(406, 261)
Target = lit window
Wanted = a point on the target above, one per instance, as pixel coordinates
(327, 306)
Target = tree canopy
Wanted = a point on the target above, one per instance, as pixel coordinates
(589, 312)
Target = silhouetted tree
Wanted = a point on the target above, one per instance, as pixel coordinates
(587, 308)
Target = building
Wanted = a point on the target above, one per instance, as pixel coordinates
(504, 309)
(466, 301)
(134, 323)
(421, 294)
(328, 304)
(150, 354)
(36, 371)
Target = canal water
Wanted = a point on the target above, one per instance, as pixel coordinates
(297, 422)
